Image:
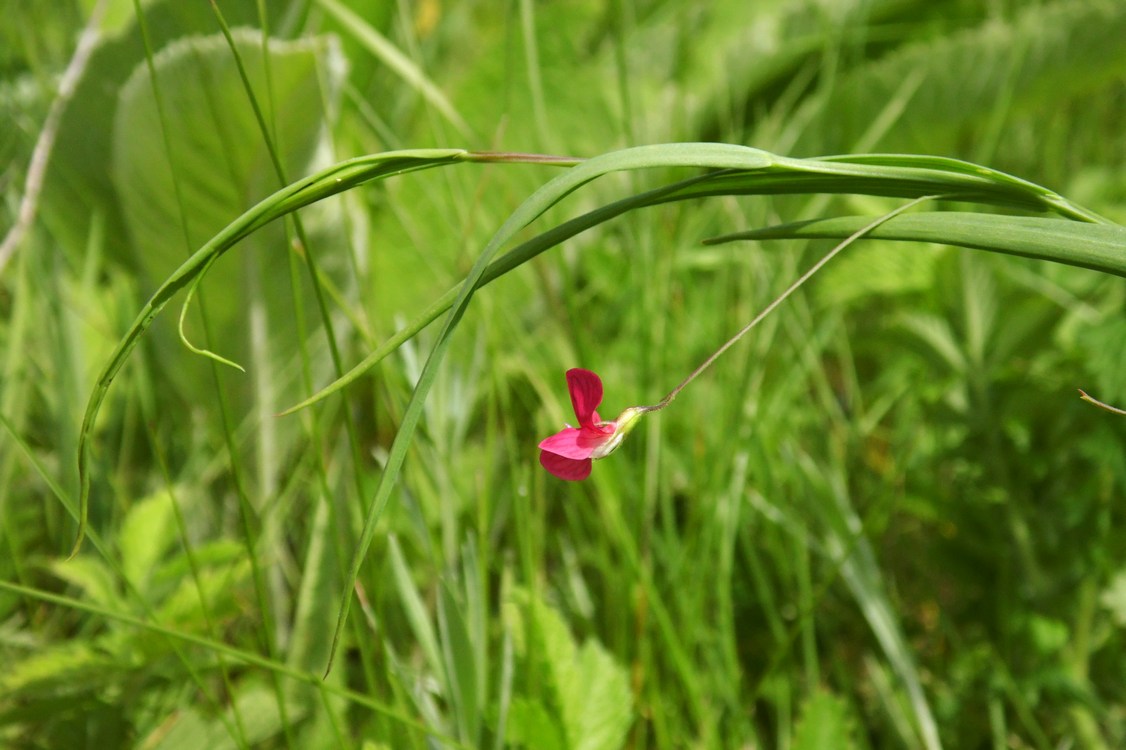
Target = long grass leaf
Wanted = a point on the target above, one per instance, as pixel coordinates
(885, 175)
(393, 58)
(1101, 247)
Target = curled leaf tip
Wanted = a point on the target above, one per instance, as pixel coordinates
(1101, 404)
(81, 537)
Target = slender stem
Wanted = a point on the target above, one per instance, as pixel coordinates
(45, 143)
(515, 157)
(782, 297)
(1101, 404)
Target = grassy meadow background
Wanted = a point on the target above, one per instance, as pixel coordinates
(884, 519)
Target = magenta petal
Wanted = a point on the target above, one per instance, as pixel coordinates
(565, 468)
(569, 443)
(578, 443)
(586, 394)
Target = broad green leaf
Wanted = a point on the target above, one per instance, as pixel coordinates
(597, 703)
(825, 722)
(530, 725)
(1113, 598)
(220, 162)
(219, 167)
(93, 577)
(875, 268)
(78, 185)
(190, 730)
(146, 532)
(60, 667)
(589, 691)
(1047, 51)
(1103, 345)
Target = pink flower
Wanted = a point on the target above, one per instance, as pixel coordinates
(568, 454)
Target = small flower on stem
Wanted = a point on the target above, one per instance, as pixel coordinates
(568, 454)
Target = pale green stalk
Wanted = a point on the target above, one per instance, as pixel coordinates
(779, 300)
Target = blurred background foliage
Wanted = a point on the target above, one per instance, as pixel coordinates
(883, 520)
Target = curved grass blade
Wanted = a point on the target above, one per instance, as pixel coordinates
(883, 175)
(1046, 199)
(327, 182)
(1101, 247)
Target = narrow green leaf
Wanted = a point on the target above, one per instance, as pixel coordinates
(847, 545)
(886, 175)
(1101, 247)
(461, 667)
(415, 610)
(390, 55)
(319, 571)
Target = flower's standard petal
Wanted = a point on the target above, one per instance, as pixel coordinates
(576, 443)
(586, 394)
(573, 470)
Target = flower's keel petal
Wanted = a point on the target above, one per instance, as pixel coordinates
(573, 470)
(586, 394)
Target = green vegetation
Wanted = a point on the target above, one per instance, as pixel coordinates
(882, 519)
